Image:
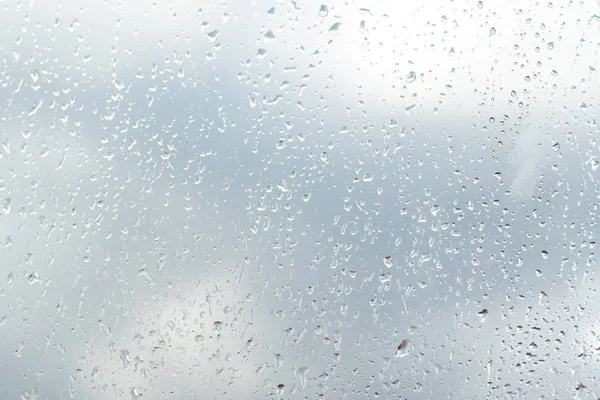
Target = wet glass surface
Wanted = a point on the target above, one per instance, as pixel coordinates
(299, 200)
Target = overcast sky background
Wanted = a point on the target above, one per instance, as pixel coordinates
(198, 199)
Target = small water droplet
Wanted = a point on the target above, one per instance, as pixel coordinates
(33, 278)
(480, 4)
(269, 36)
(7, 206)
(550, 46)
(362, 27)
(135, 394)
(125, 357)
(492, 31)
(410, 78)
(402, 349)
(280, 389)
(556, 147)
(261, 53)
(29, 394)
(213, 36)
(544, 254)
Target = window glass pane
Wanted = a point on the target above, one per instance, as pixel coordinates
(299, 199)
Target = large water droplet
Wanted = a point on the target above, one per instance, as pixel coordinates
(335, 28)
(323, 10)
(387, 261)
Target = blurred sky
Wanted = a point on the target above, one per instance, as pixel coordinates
(207, 200)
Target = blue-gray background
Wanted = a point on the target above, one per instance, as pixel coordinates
(206, 200)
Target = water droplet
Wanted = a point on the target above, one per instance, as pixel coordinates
(492, 31)
(125, 357)
(29, 394)
(362, 27)
(135, 394)
(269, 36)
(480, 4)
(280, 389)
(7, 206)
(335, 28)
(387, 261)
(550, 46)
(544, 254)
(260, 54)
(402, 349)
(33, 278)
(410, 78)
(323, 10)
(213, 36)
(556, 147)
(302, 375)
